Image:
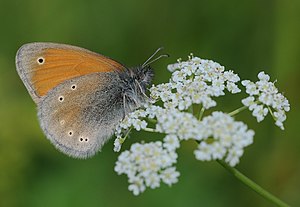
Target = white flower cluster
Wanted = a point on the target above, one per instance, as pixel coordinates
(195, 81)
(147, 165)
(222, 137)
(218, 135)
(176, 124)
(263, 95)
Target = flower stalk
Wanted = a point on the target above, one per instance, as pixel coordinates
(201, 112)
(235, 112)
(249, 183)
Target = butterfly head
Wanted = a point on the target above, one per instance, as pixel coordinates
(142, 76)
(134, 84)
(135, 80)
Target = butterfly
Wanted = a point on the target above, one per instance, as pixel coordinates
(80, 95)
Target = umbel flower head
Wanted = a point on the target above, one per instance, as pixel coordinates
(195, 81)
(263, 98)
(218, 135)
(146, 165)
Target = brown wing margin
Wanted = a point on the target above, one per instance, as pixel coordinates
(58, 63)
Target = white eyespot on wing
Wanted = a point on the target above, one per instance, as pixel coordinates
(62, 122)
(70, 133)
(40, 60)
(61, 98)
(73, 87)
(84, 139)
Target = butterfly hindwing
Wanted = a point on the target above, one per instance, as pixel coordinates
(79, 115)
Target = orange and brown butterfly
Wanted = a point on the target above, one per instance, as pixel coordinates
(80, 95)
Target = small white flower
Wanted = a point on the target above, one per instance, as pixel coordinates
(218, 150)
(118, 144)
(250, 102)
(262, 76)
(280, 102)
(184, 104)
(173, 67)
(232, 87)
(260, 112)
(231, 76)
(266, 99)
(123, 165)
(245, 82)
(139, 124)
(208, 102)
(219, 83)
(170, 176)
(203, 152)
(137, 185)
(251, 88)
(178, 76)
(233, 156)
(126, 122)
(171, 142)
(152, 180)
(188, 70)
(280, 117)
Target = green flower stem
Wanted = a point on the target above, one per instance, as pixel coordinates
(201, 112)
(191, 110)
(237, 110)
(271, 112)
(253, 185)
(126, 135)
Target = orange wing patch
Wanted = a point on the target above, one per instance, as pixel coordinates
(43, 66)
(59, 64)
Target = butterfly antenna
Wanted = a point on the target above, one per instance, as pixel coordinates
(149, 60)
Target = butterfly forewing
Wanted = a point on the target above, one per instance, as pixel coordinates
(43, 66)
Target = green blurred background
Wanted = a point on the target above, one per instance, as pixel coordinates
(246, 36)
